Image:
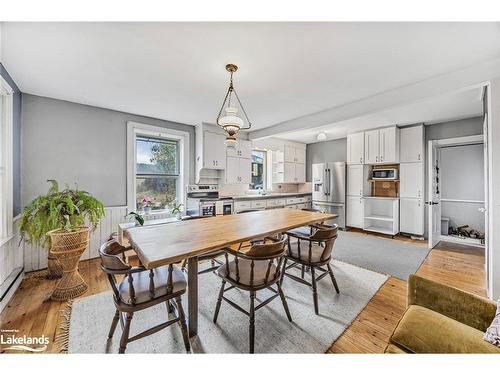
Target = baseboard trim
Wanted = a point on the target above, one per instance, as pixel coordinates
(11, 289)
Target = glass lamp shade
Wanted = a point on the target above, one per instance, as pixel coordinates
(231, 122)
(231, 141)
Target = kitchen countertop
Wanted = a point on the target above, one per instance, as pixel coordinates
(266, 196)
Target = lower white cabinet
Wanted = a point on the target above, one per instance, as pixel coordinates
(412, 216)
(381, 215)
(354, 212)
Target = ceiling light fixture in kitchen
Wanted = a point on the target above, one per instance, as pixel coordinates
(321, 136)
(231, 122)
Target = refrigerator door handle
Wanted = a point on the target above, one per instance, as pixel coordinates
(324, 181)
(329, 181)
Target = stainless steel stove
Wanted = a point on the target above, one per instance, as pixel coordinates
(204, 200)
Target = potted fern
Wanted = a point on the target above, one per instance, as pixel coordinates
(62, 220)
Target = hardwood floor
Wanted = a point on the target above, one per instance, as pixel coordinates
(33, 314)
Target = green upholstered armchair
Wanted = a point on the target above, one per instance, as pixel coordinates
(442, 319)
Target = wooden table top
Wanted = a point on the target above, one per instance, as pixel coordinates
(159, 245)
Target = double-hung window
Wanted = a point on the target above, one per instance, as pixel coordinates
(157, 167)
(157, 174)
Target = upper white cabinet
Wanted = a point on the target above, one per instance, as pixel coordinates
(355, 148)
(389, 145)
(372, 146)
(294, 170)
(239, 164)
(411, 177)
(295, 155)
(412, 144)
(214, 150)
(243, 150)
(382, 146)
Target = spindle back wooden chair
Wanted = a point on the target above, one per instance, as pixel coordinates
(257, 269)
(140, 289)
(314, 252)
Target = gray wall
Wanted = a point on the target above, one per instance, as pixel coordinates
(79, 144)
(17, 139)
(335, 150)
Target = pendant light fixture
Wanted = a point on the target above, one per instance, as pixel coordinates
(321, 136)
(231, 122)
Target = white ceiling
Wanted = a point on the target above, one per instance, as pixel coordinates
(175, 71)
(443, 108)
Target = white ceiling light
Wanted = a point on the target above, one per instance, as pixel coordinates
(321, 136)
(231, 122)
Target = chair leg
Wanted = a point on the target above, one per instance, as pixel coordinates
(333, 278)
(182, 321)
(125, 333)
(184, 264)
(315, 291)
(283, 300)
(219, 300)
(303, 271)
(252, 322)
(114, 323)
(283, 271)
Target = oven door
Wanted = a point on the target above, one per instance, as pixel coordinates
(207, 209)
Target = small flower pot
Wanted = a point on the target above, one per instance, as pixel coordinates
(147, 210)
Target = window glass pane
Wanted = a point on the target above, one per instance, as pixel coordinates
(258, 170)
(160, 190)
(157, 156)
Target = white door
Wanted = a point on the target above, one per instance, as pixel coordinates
(232, 170)
(355, 180)
(354, 212)
(486, 201)
(389, 151)
(412, 144)
(289, 154)
(411, 216)
(355, 148)
(372, 149)
(289, 172)
(434, 194)
(245, 169)
(410, 180)
(300, 156)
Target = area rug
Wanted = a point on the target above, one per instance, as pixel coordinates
(91, 317)
(392, 257)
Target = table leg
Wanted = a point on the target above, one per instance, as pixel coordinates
(193, 296)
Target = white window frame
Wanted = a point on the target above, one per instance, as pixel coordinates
(6, 167)
(135, 129)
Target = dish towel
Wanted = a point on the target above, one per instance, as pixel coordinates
(492, 334)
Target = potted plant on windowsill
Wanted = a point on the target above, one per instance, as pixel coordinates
(147, 204)
(62, 220)
(175, 209)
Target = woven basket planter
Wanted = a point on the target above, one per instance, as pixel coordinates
(67, 247)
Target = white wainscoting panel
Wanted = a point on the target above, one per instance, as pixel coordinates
(11, 260)
(35, 257)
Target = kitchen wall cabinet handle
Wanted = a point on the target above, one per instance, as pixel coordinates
(418, 157)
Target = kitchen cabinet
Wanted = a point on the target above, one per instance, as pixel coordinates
(382, 146)
(412, 144)
(357, 180)
(354, 212)
(411, 180)
(294, 173)
(372, 149)
(412, 216)
(243, 150)
(389, 145)
(294, 154)
(238, 170)
(381, 215)
(355, 148)
(214, 150)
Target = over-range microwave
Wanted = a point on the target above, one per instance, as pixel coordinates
(385, 174)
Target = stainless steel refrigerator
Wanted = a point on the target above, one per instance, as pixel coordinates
(328, 189)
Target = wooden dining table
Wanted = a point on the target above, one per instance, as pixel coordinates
(159, 245)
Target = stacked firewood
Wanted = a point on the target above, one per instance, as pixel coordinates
(466, 231)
